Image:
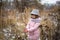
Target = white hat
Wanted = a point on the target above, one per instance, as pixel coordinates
(35, 11)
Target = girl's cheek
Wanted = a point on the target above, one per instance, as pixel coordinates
(32, 16)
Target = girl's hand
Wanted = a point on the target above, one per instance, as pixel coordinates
(25, 30)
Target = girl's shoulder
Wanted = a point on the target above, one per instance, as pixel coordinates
(39, 18)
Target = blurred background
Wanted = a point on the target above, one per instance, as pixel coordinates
(14, 15)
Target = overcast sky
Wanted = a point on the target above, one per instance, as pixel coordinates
(49, 1)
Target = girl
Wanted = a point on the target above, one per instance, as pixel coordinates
(32, 27)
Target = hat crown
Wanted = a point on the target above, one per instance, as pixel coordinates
(35, 11)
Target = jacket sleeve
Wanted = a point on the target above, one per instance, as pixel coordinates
(35, 27)
(27, 27)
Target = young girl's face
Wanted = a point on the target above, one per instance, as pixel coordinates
(34, 16)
